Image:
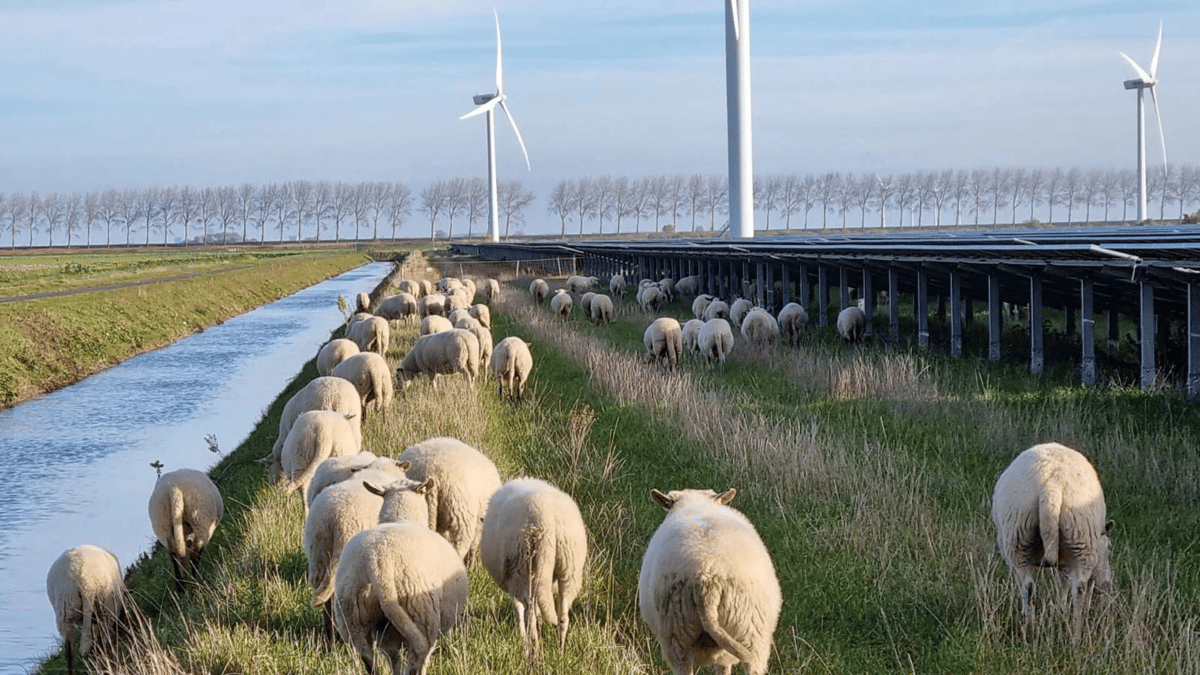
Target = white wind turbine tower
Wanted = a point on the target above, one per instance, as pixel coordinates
(1144, 81)
(487, 104)
(737, 105)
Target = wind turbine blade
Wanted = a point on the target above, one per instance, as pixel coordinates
(1161, 136)
(499, 69)
(1157, 46)
(1141, 73)
(482, 108)
(518, 132)
(733, 9)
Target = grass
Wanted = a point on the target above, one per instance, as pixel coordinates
(868, 473)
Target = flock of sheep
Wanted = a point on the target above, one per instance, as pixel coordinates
(389, 540)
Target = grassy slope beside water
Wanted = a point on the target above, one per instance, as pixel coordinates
(49, 343)
(867, 472)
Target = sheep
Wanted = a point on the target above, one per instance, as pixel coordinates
(690, 335)
(399, 585)
(485, 347)
(689, 285)
(322, 393)
(700, 304)
(432, 303)
(792, 322)
(371, 376)
(578, 284)
(472, 289)
(86, 590)
(316, 436)
(337, 469)
(707, 587)
(760, 327)
(358, 316)
(616, 285)
(491, 290)
(445, 353)
(334, 352)
(585, 304)
(664, 342)
(561, 303)
(1048, 509)
(371, 335)
(738, 311)
(185, 508)
(482, 313)
(426, 287)
(464, 479)
(459, 297)
(539, 289)
(435, 323)
(852, 324)
(602, 309)
(715, 341)
(667, 286)
(650, 298)
(411, 287)
(457, 314)
(534, 541)
(717, 309)
(447, 284)
(512, 363)
(399, 307)
(362, 303)
(467, 322)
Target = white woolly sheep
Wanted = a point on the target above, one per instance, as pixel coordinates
(464, 479)
(602, 309)
(399, 307)
(459, 297)
(412, 287)
(534, 542)
(650, 298)
(316, 436)
(472, 289)
(334, 352)
(491, 289)
(185, 508)
(667, 286)
(717, 309)
(689, 285)
(792, 322)
(434, 303)
(852, 324)
(738, 311)
(467, 322)
(700, 304)
(362, 303)
(447, 284)
(715, 341)
(358, 316)
(760, 327)
(484, 336)
(435, 323)
(585, 304)
(482, 313)
(322, 393)
(372, 377)
(664, 341)
(399, 585)
(512, 363)
(337, 469)
(445, 353)
(458, 313)
(561, 303)
(371, 335)
(616, 285)
(690, 335)
(1048, 509)
(426, 287)
(578, 284)
(87, 592)
(707, 587)
(540, 290)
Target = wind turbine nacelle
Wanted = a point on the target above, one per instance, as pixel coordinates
(480, 99)
(1129, 84)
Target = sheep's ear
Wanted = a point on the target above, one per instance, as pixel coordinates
(725, 497)
(1108, 528)
(424, 487)
(373, 489)
(404, 465)
(662, 499)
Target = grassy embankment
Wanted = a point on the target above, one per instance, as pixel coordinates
(51, 342)
(868, 473)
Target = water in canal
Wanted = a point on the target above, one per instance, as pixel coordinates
(78, 460)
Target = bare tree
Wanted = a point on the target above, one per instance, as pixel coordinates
(881, 198)
(131, 210)
(399, 205)
(622, 194)
(226, 209)
(602, 199)
(827, 190)
(456, 202)
(150, 206)
(1156, 190)
(186, 209)
(561, 203)
(264, 205)
(433, 200)
(52, 213)
(659, 198)
(639, 201)
(978, 187)
(18, 206)
(360, 206)
(767, 195)
(110, 212)
(168, 207)
(341, 206)
(1035, 189)
(957, 181)
(479, 194)
(91, 213)
(513, 199)
(584, 200)
(863, 191)
(716, 198)
(322, 195)
(381, 193)
(247, 202)
(1014, 183)
(1129, 191)
(72, 212)
(844, 197)
(301, 207)
(283, 201)
(1056, 180)
(1107, 184)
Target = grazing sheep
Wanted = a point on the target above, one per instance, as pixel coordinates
(585, 304)
(616, 285)
(707, 588)
(362, 303)
(399, 307)
(426, 287)
(447, 284)
(472, 289)
(432, 303)
(561, 303)
(457, 314)
(1048, 509)
(691, 335)
(412, 287)
(715, 341)
(334, 352)
(482, 313)
(650, 298)
(512, 363)
(371, 335)
(717, 309)
(445, 353)
(738, 311)
(534, 542)
(371, 376)
(578, 284)
(792, 322)
(689, 285)
(467, 322)
(459, 297)
(602, 309)
(485, 348)
(337, 469)
(760, 327)
(664, 342)
(399, 585)
(700, 305)
(491, 290)
(667, 286)
(185, 508)
(852, 324)
(464, 479)
(87, 591)
(539, 289)
(316, 436)
(435, 323)
(322, 393)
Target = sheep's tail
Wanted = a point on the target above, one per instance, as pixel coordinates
(1049, 513)
(543, 554)
(85, 638)
(179, 542)
(710, 593)
(321, 575)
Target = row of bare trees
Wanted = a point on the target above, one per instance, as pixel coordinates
(468, 198)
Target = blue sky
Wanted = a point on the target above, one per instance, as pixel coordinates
(140, 93)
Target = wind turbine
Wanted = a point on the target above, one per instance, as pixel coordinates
(1146, 80)
(487, 104)
(737, 106)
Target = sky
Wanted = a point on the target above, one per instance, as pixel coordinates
(148, 93)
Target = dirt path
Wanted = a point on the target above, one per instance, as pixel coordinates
(113, 287)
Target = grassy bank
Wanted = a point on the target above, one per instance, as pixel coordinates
(49, 343)
(868, 473)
